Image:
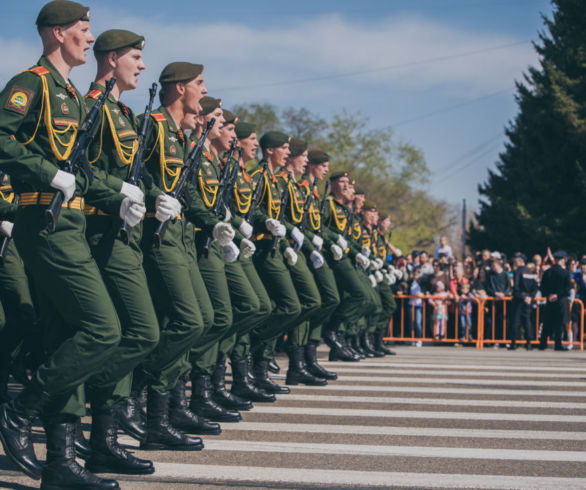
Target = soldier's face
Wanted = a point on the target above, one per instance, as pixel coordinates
(75, 40)
(128, 65)
(280, 155)
(359, 201)
(299, 163)
(340, 186)
(218, 115)
(321, 170)
(189, 122)
(227, 135)
(370, 217)
(249, 145)
(193, 92)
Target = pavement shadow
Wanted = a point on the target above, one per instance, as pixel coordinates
(5, 466)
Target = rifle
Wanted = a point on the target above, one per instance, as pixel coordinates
(284, 202)
(6, 240)
(84, 137)
(224, 186)
(306, 206)
(256, 196)
(138, 164)
(350, 223)
(191, 168)
(322, 211)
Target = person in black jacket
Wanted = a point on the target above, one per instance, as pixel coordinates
(555, 286)
(525, 288)
(498, 285)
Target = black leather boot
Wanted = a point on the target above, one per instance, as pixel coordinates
(160, 433)
(184, 419)
(273, 366)
(360, 347)
(297, 373)
(380, 345)
(243, 387)
(313, 366)
(222, 396)
(332, 340)
(4, 375)
(83, 449)
(350, 348)
(130, 419)
(342, 354)
(16, 418)
(204, 405)
(263, 381)
(107, 455)
(61, 471)
(369, 346)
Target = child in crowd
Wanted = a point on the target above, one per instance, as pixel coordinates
(416, 307)
(465, 311)
(440, 314)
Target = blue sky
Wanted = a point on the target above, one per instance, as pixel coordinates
(441, 72)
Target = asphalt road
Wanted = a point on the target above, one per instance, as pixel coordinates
(433, 417)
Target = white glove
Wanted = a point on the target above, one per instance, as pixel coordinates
(131, 212)
(231, 252)
(277, 229)
(297, 236)
(372, 280)
(6, 228)
(317, 242)
(291, 256)
(379, 263)
(373, 265)
(64, 182)
(317, 259)
(167, 207)
(247, 248)
(342, 243)
(398, 274)
(389, 279)
(365, 251)
(378, 276)
(362, 261)
(227, 214)
(223, 232)
(246, 229)
(132, 191)
(337, 252)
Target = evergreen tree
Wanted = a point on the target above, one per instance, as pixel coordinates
(536, 198)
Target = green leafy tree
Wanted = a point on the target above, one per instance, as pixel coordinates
(534, 199)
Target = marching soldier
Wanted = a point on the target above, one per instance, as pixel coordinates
(41, 112)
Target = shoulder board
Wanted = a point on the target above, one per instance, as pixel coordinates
(94, 94)
(283, 175)
(157, 116)
(316, 192)
(40, 71)
(208, 155)
(305, 183)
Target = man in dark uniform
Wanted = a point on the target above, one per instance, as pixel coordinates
(525, 287)
(555, 286)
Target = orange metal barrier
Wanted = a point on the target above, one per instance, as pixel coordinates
(407, 315)
(491, 311)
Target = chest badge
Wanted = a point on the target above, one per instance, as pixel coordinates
(173, 139)
(209, 172)
(172, 150)
(116, 110)
(61, 95)
(121, 121)
(64, 108)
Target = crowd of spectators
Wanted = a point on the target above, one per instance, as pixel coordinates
(444, 294)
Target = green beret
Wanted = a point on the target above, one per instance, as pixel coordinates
(180, 71)
(273, 139)
(209, 105)
(317, 157)
(114, 39)
(338, 175)
(244, 130)
(61, 13)
(358, 189)
(230, 117)
(297, 147)
(368, 205)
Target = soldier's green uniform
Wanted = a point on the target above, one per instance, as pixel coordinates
(389, 305)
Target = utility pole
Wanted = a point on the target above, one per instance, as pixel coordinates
(463, 230)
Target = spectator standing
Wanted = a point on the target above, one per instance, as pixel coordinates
(443, 248)
(498, 286)
(525, 287)
(416, 308)
(440, 314)
(555, 286)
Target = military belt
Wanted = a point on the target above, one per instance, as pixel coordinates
(154, 215)
(90, 210)
(45, 198)
(262, 236)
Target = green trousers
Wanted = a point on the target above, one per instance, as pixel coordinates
(389, 305)
(19, 322)
(124, 276)
(330, 300)
(310, 299)
(277, 280)
(354, 294)
(82, 327)
(237, 346)
(170, 272)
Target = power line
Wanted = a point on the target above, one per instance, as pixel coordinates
(469, 153)
(450, 108)
(471, 162)
(375, 70)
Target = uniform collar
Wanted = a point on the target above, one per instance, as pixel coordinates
(102, 89)
(59, 80)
